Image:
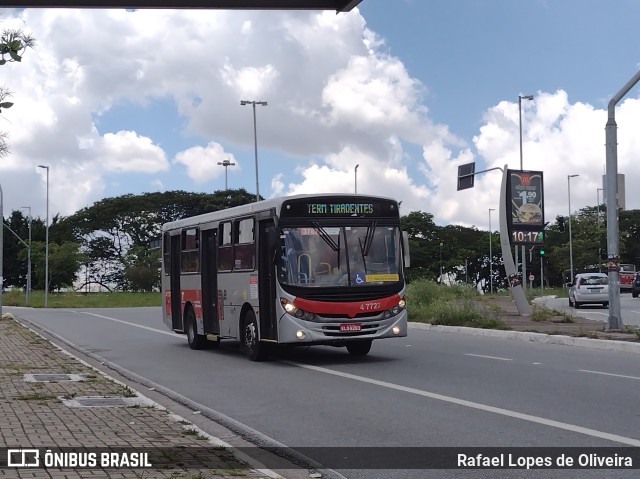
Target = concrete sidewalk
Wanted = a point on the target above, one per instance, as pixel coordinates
(50, 400)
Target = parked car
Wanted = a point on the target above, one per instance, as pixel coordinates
(589, 288)
(627, 276)
(635, 286)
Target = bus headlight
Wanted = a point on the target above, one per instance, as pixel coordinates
(395, 330)
(295, 311)
(389, 313)
(300, 334)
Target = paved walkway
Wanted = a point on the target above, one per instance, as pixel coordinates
(43, 406)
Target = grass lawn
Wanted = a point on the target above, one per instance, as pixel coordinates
(82, 300)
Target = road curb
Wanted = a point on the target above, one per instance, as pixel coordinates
(604, 344)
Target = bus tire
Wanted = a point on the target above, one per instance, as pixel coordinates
(359, 348)
(195, 340)
(254, 349)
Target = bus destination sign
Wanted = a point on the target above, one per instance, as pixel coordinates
(340, 208)
(367, 207)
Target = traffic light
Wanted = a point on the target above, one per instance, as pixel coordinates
(541, 251)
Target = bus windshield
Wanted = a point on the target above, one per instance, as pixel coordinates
(340, 256)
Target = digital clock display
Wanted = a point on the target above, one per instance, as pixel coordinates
(527, 237)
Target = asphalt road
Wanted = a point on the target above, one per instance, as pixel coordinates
(629, 309)
(429, 389)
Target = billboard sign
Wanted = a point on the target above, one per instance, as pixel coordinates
(525, 206)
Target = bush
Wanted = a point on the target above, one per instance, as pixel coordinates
(429, 302)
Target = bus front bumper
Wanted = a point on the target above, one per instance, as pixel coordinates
(293, 330)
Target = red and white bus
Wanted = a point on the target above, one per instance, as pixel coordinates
(307, 269)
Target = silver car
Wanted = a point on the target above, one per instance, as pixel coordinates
(589, 288)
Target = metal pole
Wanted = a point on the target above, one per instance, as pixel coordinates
(598, 190)
(524, 260)
(226, 164)
(441, 262)
(570, 239)
(613, 253)
(255, 138)
(46, 254)
(541, 275)
(29, 260)
(490, 253)
(355, 172)
(520, 125)
(255, 146)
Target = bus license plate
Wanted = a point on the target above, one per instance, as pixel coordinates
(350, 327)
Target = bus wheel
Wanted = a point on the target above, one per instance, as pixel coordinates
(255, 350)
(196, 341)
(359, 348)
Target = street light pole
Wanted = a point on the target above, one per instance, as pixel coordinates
(46, 243)
(355, 173)
(490, 252)
(520, 98)
(570, 240)
(226, 164)
(524, 260)
(28, 259)
(255, 138)
(441, 262)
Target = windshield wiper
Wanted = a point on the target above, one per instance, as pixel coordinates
(325, 236)
(368, 239)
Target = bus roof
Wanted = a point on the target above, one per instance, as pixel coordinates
(264, 205)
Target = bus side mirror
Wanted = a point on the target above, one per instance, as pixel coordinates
(405, 249)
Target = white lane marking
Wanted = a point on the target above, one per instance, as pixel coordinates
(488, 357)
(127, 323)
(483, 407)
(637, 312)
(609, 374)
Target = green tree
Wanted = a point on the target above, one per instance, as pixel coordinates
(65, 260)
(142, 269)
(421, 230)
(110, 228)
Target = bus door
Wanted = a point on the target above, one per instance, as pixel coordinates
(267, 243)
(176, 297)
(209, 279)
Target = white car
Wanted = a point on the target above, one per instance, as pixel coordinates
(589, 288)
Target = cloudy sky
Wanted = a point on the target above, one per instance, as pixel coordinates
(119, 102)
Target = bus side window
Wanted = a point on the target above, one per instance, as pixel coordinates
(225, 247)
(190, 254)
(245, 246)
(166, 253)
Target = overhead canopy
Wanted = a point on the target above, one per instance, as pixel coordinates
(337, 5)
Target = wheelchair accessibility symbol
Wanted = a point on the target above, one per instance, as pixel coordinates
(359, 278)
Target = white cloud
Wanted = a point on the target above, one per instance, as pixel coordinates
(202, 163)
(125, 151)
